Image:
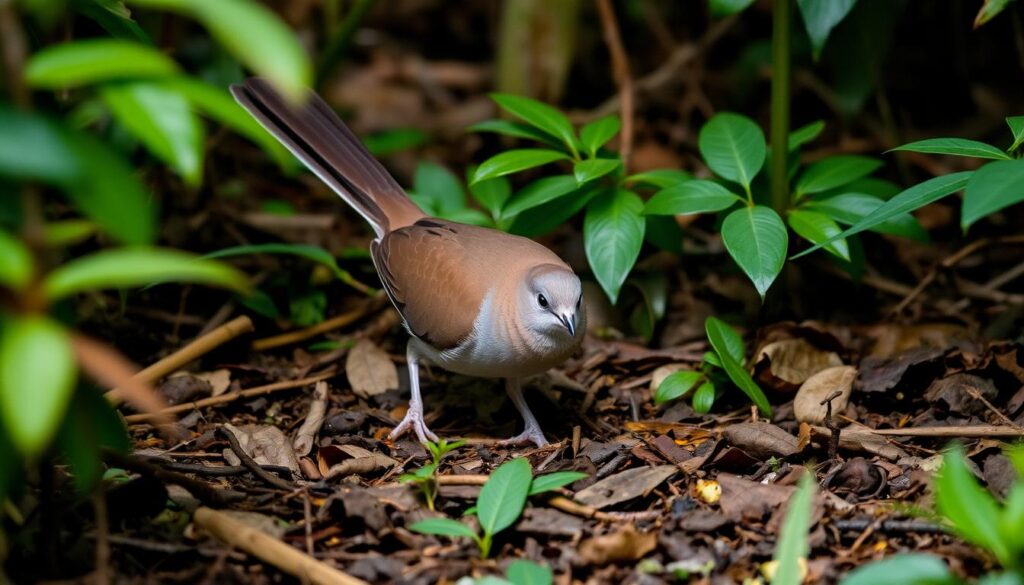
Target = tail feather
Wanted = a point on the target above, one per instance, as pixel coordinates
(318, 138)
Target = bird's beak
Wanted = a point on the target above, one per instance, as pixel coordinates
(570, 323)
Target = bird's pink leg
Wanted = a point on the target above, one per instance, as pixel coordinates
(414, 417)
(532, 432)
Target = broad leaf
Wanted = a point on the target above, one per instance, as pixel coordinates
(720, 8)
(540, 220)
(114, 17)
(989, 10)
(594, 168)
(717, 332)
(903, 569)
(757, 240)
(513, 161)
(660, 178)
(690, 197)
(676, 385)
(91, 425)
(704, 398)
(597, 133)
(163, 120)
(90, 61)
(132, 267)
(913, 198)
(15, 262)
(792, 546)
(804, 134)
(733, 147)
(970, 508)
(553, 481)
(37, 378)
(954, 146)
(443, 527)
(850, 208)
(1016, 124)
(522, 572)
(503, 496)
(613, 233)
(820, 17)
(492, 194)
(516, 130)
(540, 192)
(834, 171)
(817, 228)
(993, 187)
(539, 115)
(255, 35)
(439, 185)
(35, 147)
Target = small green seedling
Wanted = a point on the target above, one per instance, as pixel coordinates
(425, 478)
(500, 503)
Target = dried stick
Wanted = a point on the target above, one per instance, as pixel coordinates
(262, 474)
(200, 489)
(270, 550)
(197, 348)
(372, 304)
(230, 397)
(621, 73)
(971, 432)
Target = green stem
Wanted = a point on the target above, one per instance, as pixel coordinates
(341, 41)
(485, 546)
(780, 105)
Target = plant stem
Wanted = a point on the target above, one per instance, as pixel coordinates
(623, 77)
(341, 40)
(780, 105)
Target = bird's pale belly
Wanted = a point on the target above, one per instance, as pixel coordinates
(491, 360)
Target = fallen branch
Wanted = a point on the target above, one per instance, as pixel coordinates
(372, 304)
(270, 550)
(203, 491)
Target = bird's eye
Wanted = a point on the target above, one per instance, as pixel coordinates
(542, 301)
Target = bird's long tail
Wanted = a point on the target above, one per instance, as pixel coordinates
(318, 138)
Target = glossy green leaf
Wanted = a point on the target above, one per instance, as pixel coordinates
(314, 253)
(970, 508)
(717, 332)
(539, 115)
(820, 17)
(733, 147)
(15, 262)
(792, 546)
(993, 187)
(542, 219)
(37, 378)
(954, 146)
(613, 233)
(804, 134)
(163, 120)
(114, 17)
(540, 192)
(850, 208)
(913, 198)
(553, 481)
(903, 569)
(690, 197)
(88, 61)
(467, 215)
(757, 240)
(388, 142)
(68, 232)
(721, 8)
(516, 130)
(597, 133)
(522, 572)
(439, 185)
(660, 178)
(443, 527)
(1016, 124)
(255, 35)
(989, 10)
(833, 172)
(704, 398)
(513, 161)
(35, 147)
(817, 228)
(492, 194)
(90, 426)
(132, 267)
(676, 385)
(594, 168)
(503, 496)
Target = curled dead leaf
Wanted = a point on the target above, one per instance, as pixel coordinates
(342, 460)
(623, 545)
(370, 370)
(267, 445)
(762, 439)
(784, 365)
(807, 406)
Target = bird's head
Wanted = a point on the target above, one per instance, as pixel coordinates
(552, 302)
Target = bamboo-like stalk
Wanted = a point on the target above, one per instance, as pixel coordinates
(780, 105)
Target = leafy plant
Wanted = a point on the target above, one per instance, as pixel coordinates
(518, 572)
(500, 503)
(425, 478)
(790, 559)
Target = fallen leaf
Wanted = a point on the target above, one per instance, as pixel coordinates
(370, 370)
(305, 437)
(744, 500)
(885, 374)
(625, 485)
(807, 406)
(623, 545)
(761, 439)
(343, 460)
(219, 380)
(954, 394)
(183, 387)
(784, 365)
(858, 477)
(549, 522)
(893, 339)
(857, 438)
(267, 445)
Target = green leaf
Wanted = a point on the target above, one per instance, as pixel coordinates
(440, 185)
(35, 147)
(850, 208)
(90, 426)
(954, 146)
(443, 527)
(253, 34)
(834, 171)
(659, 178)
(804, 134)
(792, 546)
(597, 133)
(522, 572)
(756, 239)
(513, 161)
(1016, 124)
(733, 147)
(94, 60)
(613, 233)
(593, 168)
(676, 385)
(989, 10)
(720, 8)
(163, 120)
(718, 332)
(387, 142)
(993, 187)
(515, 130)
(68, 232)
(113, 17)
(913, 198)
(903, 569)
(15, 262)
(37, 378)
(492, 194)
(132, 267)
(553, 481)
(1005, 578)
(820, 17)
(540, 192)
(502, 498)
(970, 508)
(539, 115)
(704, 398)
(816, 228)
(544, 218)
(467, 215)
(314, 253)
(691, 197)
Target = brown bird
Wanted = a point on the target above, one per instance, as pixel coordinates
(475, 301)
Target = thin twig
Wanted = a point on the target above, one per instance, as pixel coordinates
(970, 432)
(833, 444)
(365, 308)
(264, 475)
(621, 73)
(200, 489)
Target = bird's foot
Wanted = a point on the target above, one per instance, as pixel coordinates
(531, 434)
(413, 421)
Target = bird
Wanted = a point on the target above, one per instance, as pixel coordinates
(474, 300)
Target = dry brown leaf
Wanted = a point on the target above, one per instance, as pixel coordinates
(370, 370)
(625, 485)
(784, 365)
(807, 406)
(762, 439)
(342, 460)
(620, 546)
(306, 435)
(219, 380)
(892, 339)
(267, 445)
